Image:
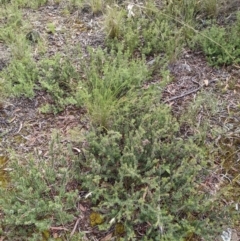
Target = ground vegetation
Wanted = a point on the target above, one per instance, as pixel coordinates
(119, 120)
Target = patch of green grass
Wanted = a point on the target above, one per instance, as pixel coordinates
(114, 22)
(96, 6)
(145, 31)
(12, 23)
(108, 79)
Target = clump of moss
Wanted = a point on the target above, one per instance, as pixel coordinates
(119, 229)
(96, 219)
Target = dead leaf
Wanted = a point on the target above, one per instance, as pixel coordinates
(206, 82)
(82, 208)
(108, 237)
(145, 193)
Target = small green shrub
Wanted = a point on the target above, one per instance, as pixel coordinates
(37, 197)
(210, 8)
(221, 45)
(204, 105)
(20, 77)
(183, 10)
(32, 4)
(140, 172)
(149, 34)
(51, 28)
(11, 23)
(217, 51)
(109, 78)
(188, 11)
(96, 6)
(58, 77)
(114, 22)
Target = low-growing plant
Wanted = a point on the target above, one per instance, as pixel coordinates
(59, 78)
(32, 4)
(96, 6)
(220, 45)
(149, 34)
(11, 23)
(20, 49)
(74, 3)
(38, 195)
(20, 77)
(51, 28)
(217, 51)
(210, 8)
(188, 10)
(183, 10)
(109, 78)
(142, 174)
(114, 22)
(196, 118)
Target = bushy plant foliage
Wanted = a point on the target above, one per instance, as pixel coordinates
(221, 45)
(20, 77)
(183, 10)
(11, 23)
(59, 78)
(114, 22)
(141, 173)
(109, 78)
(147, 30)
(32, 4)
(37, 197)
(151, 37)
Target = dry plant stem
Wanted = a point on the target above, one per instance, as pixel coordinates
(187, 93)
(75, 227)
(59, 228)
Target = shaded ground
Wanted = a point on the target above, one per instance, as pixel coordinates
(25, 129)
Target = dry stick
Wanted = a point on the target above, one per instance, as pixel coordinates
(186, 93)
(182, 95)
(75, 227)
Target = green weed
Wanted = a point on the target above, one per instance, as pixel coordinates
(147, 32)
(59, 78)
(19, 78)
(220, 45)
(12, 23)
(96, 6)
(141, 173)
(109, 78)
(37, 196)
(114, 22)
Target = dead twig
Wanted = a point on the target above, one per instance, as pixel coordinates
(187, 93)
(75, 227)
